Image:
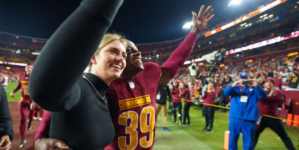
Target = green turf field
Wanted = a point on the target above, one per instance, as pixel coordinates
(11, 86)
(192, 138)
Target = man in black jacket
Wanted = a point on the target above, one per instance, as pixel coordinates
(222, 99)
(6, 132)
(161, 104)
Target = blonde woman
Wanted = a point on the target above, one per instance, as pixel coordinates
(80, 112)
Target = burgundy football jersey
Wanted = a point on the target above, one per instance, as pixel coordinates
(23, 85)
(133, 109)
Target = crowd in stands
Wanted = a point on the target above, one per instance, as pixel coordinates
(12, 73)
(284, 69)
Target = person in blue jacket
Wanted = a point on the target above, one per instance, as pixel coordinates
(243, 112)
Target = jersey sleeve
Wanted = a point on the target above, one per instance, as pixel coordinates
(67, 53)
(19, 86)
(44, 127)
(152, 72)
(180, 55)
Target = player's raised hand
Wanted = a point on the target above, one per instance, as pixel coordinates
(50, 144)
(12, 94)
(203, 18)
(5, 143)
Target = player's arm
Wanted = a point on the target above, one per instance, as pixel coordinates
(204, 96)
(42, 140)
(230, 90)
(6, 131)
(19, 86)
(180, 55)
(261, 93)
(279, 97)
(68, 52)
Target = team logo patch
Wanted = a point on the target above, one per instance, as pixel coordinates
(250, 89)
(132, 85)
(244, 74)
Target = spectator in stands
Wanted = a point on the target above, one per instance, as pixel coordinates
(215, 82)
(243, 111)
(278, 81)
(285, 75)
(6, 131)
(291, 64)
(268, 106)
(208, 111)
(293, 80)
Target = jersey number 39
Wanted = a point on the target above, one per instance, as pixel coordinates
(146, 121)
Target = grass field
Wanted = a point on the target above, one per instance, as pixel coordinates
(192, 138)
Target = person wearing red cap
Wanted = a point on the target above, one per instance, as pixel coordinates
(24, 103)
(268, 106)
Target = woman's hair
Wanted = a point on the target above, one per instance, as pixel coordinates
(109, 37)
(188, 93)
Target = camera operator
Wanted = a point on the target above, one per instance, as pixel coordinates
(293, 81)
(243, 110)
(220, 57)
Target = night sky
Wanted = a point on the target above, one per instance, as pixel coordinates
(142, 21)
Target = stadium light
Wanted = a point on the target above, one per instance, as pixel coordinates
(234, 2)
(157, 56)
(188, 25)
